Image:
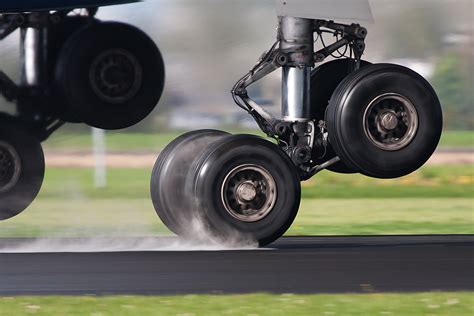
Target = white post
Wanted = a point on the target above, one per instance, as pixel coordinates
(99, 147)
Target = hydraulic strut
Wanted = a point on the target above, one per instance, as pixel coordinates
(294, 52)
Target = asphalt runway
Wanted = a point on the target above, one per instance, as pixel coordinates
(290, 265)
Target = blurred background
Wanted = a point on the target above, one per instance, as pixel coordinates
(207, 46)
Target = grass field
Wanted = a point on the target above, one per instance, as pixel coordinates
(434, 200)
(78, 217)
(436, 303)
(457, 139)
(119, 141)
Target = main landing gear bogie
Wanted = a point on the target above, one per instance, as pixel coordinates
(345, 116)
(74, 69)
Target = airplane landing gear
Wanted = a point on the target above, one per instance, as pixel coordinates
(346, 116)
(74, 68)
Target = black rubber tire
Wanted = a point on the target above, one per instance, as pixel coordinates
(209, 171)
(346, 127)
(324, 80)
(58, 34)
(73, 75)
(169, 177)
(18, 188)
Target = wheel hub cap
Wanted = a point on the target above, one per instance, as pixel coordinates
(10, 167)
(249, 193)
(115, 76)
(246, 191)
(390, 121)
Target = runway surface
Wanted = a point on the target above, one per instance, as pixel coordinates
(290, 265)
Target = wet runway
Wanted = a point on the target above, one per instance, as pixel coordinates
(290, 265)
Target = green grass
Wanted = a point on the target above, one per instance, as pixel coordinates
(384, 216)
(119, 141)
(431, 303)
(430, 181)
(457, 139)
(79, 217)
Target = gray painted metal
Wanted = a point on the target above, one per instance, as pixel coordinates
(347, 10)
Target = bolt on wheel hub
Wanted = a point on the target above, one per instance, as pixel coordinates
(390, 121)
(249, 193)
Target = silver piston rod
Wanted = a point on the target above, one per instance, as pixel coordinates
(33, 55)
(296, 35)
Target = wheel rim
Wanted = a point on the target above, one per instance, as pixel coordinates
(390, 121)
(249, 193)
(10, 167)
(115, 76)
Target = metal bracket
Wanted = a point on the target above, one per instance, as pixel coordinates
(9, 23)
(296, 133)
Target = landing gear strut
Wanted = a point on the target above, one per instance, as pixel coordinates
(346, 116)
(75, 68)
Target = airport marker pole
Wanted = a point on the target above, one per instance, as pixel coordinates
(99, 147)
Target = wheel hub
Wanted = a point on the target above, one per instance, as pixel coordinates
(115, 76)
(246, 191)
(10, 167)
(390, 121)
(249, 193)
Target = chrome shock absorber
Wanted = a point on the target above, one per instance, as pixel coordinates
(296, 35)
(294, 52)
(33, 55)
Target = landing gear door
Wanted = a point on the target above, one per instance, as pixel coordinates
(353, 10)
